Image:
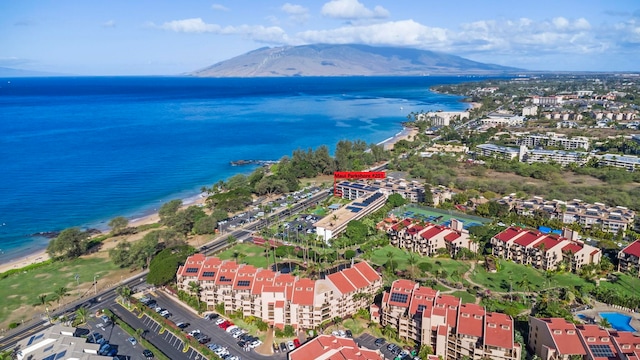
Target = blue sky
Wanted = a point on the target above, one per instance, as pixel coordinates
(157, 37)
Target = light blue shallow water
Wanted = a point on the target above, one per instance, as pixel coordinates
(79, 151)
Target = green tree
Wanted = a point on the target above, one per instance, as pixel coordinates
(71, 243)
(60, 293)
(356, 230)
(81, 315)
(195, 290)
(205, 225)
(168, 211)
(118, 224)
(395, 200)
(163, 267)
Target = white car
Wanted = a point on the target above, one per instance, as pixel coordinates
(231, 328)
(220, 321)
(290, 345)
(194, 332)
(255, 344)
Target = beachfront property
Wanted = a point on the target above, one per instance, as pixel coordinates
(559, 339)
(452, 329)
(279, 299)
(429, 239)
(336, 222)
(58, 342)
(628, 162)
(544, 251)
(552, 139)
(497, 119)
(442, 118)
(410, 190)
(611, 219)
(629, 259)
(329, 347)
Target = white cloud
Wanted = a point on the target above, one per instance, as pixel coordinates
(396, 33)
(109, 24)
(297, 13)
(219, 7)
(352, 9)
(270, 34)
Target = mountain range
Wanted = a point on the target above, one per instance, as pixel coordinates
(346, 60)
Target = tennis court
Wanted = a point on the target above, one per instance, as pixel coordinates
(437, 216)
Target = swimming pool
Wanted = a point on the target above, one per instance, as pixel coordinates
(618, 321)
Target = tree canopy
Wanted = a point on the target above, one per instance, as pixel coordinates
(71, 243)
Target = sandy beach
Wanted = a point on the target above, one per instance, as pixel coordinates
(405, 134)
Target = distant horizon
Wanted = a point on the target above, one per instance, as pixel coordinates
(166, 38)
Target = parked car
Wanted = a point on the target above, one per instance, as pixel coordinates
(132, 340)
(290, 345)
(183, 325)
(283, 347)
(349, 333)
(296, 342)
(220, 321)
(147, 354)
(379, 342)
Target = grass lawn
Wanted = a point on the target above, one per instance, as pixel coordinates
(465, 296)
(624, 285)
(20, 291)
(254, 255)
(356, 326)
(379, 257)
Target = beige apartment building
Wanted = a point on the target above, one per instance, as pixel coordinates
(426, 238)
(559, 339)
(611, 219)
(629, 259)
(441, 321)
(276, 298)
(544, 251)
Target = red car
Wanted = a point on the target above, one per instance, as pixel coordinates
(296, 342)
(225, 325)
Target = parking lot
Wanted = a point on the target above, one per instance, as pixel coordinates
(170, 339)
(369, 342)
(115, 335)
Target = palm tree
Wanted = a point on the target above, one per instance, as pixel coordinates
(125, 292)
(525, 285)
(412, 260)
(604, 323)
(60, 294)
(195, 290)
(81, 315)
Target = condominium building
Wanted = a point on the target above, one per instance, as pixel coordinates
(547, 100)
(611, 219)
(276, 298)
(555, 140)
(560, 157)
(443, 118)
(544, 251)
(336, 222)
(499, 152)
(426, 239)
(530, 111)
(452, 329)
(58, 342)
(629, 259)
(503, 120)
(328, 347)
(410, 190)
(628, 162)
(559, 339)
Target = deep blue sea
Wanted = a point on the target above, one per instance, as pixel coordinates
(78, 151)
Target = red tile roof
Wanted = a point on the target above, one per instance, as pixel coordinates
(423, 299)
(549, 242)
(633, 249)
(432, 231)
(527, 238)
(572, 247)
(498, 330)
(594, 335)
(341, 282)
(303, 292)
(329, 347)
(367, 271)
(452, 236)
(627, 342)
(508, 234)
(565, 336)
(470, 320)
(355, 278)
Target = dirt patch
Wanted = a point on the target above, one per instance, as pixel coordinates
(42, 276)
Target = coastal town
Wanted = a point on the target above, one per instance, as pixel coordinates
(506, 231)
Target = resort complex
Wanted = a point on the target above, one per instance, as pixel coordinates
(429, 239)
(442, 321)
(279, 299)
(331, 347)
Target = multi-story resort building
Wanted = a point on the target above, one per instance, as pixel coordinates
(559, 339)
(279, 299)
(499, 152)
(544, 251)
(629, 259)
(452, 329)
(560, 157)
(329, 347)
(504, 120)
(426, 239)
(628, 162)
(443, 118)
(336, 222)
(555, 140)
(410, 190)
(611, 219)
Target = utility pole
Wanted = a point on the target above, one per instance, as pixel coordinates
(95, 284)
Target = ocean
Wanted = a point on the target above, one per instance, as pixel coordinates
(78, 151)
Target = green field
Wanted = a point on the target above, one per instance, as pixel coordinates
(247, 253)
(19, 291)
(379, 257)
(465, 296)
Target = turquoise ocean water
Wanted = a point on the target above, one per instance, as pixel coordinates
(80, 151)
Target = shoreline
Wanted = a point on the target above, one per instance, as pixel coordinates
(149, 215)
